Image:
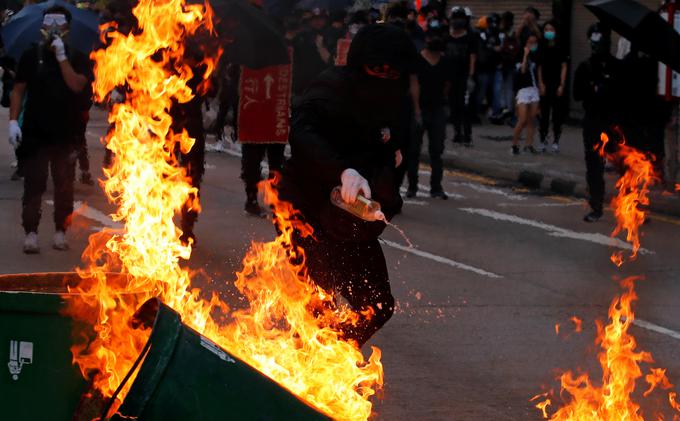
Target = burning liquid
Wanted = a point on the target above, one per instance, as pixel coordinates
(288, 329)
(620, 361)
(633, 193)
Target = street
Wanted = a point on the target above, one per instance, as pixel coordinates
(493, 270)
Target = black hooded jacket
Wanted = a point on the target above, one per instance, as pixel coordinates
(337, 126)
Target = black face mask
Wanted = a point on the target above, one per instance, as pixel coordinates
(436, 45)
(377, 100)
(599, 48)
(459, 24)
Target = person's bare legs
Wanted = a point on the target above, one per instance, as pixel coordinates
(531, 113)
(521, 123)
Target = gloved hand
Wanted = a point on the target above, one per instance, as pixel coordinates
(14, 134)
(471, 84)
(352, 184)
(59, 49)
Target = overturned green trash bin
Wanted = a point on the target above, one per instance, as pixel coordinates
(185, 376)
(38, 381)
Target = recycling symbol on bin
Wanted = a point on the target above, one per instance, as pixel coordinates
(20, 353)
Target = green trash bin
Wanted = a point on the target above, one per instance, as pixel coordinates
(184, 376)
(38, 381)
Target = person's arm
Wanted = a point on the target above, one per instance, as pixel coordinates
(525, 61)
(16, 100)
(541, 84)
(563, 79)
(473, 64)
(75, 81)
(447, 88)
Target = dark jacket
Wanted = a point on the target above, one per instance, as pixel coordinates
(330, 133)
(597, 82)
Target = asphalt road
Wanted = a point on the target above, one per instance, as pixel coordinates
(494, 269)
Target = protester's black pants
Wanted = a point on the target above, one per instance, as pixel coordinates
(251, 158)
(82, 154)
(554, 105)
(434, 123)
(461, 116)
(358, 272)
(36, 161)
(592, 129)
(194, 163)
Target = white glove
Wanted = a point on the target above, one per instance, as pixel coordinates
(352, 184)
(14, 134)
(59, 49)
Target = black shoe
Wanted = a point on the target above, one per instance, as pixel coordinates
(458, 138)
(439, 194)
(86, 178)
(593, 216)
(411, 193)
(254, 209)
(467, 141)
(16, 176)
(530, 149)
(515, 150)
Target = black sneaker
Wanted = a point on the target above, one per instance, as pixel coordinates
(458, 138)
(439, 195)
(467, 141)
(86, 178)
(593, 216)
(254, 209)
(16, 176)
(411, 193)
(530, 149)
(515, 150)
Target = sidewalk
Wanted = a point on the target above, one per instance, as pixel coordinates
(562, 173)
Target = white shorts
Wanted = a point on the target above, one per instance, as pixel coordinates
(528, 95)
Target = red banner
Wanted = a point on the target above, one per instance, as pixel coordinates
(264, 104)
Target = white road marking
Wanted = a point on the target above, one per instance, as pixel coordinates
(656, 328)
(440, 259)
(426, 188)
(416, 202)
(539, 205)
(556, 231)
(92, 214)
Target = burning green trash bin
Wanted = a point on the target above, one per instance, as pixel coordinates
(184, 376)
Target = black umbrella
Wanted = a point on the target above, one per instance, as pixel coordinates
(23, 29)
(253, 39)
(644, 28)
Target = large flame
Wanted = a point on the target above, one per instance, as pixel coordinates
(620, 361)
(633, 192)
(289, 329)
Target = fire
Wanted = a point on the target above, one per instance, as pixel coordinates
(620, 361)
(289, 330)
(578, 323)
(633, 193)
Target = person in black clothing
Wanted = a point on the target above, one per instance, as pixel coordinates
(434, 76)
(336, 141)
(461, 49)
(310, 54)
(188, 116)
(597, 84)
(488, 59)
(552, 79)
(54, 79)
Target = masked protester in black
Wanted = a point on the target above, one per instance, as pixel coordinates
(336, 140)
(54, 79)
(597, 84)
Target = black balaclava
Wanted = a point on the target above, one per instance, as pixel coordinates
(380, 59)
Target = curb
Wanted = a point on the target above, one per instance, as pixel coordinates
(667, 205)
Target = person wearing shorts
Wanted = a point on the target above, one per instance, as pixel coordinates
(528, 96)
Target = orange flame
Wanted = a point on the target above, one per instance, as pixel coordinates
(578, 323)
(289, 331)
(620, 362)
(633, 190)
